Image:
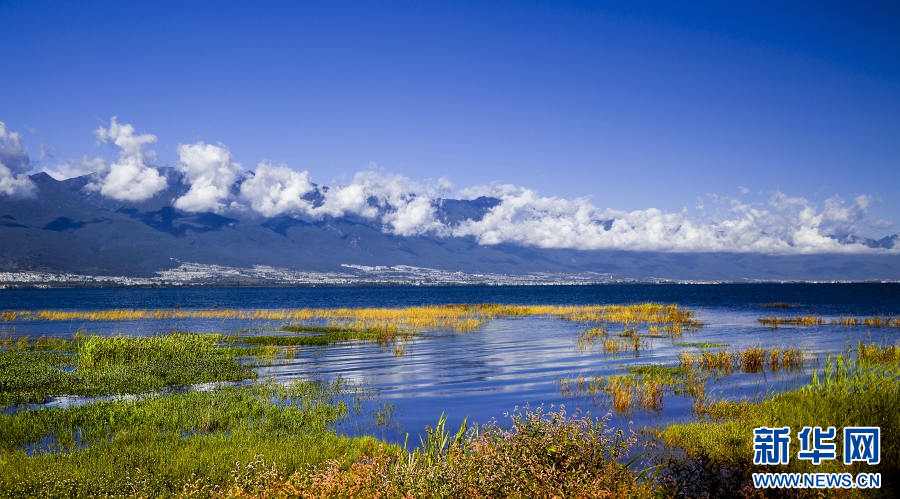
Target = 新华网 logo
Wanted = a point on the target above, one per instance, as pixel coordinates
(772, 445)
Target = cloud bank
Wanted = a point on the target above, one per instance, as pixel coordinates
(782, 225)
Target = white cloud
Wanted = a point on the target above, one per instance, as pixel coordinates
(14, 166)
(797, 227)
(405, 207)
(276, 190)
(743, 190)
(210, 172)
(130, 178)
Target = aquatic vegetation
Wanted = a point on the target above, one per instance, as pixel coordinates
(706, 359)
(653, 313)
(274, 441)
(872, 353)
(705, 344)
(461, 317)
(26, 376)
(672, 331)
(97, 352)
(38, 345)
(842, 321)
(384, 415)
(805, 321)
(643, 387)
(590, 337)
(780, 304)
(329, 336)
(750, 360)
(614, 346)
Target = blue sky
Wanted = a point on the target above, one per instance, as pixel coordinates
(638, 105)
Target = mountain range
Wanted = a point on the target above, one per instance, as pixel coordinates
(68, 228)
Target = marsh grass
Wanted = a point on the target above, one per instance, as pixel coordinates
(99, 352)
(589, 338)
(671, 331)
(842, 321)
(38, 345)
(642, 387)
(695, 344)
(749, 360)
(872, 353)
(459, 317)
(632, 344)
(316, 336)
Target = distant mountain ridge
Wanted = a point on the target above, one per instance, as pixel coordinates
(69, 229)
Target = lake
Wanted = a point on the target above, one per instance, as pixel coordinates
(508, 362)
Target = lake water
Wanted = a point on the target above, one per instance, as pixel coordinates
(508, 362)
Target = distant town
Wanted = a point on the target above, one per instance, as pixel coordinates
(197, 274)
(188, 274)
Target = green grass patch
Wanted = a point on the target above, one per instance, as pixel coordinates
(661, 371)
(38, 345)
(318, 336)
(116, 365)
(98, 352)
(698, 344)
(177, 444)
